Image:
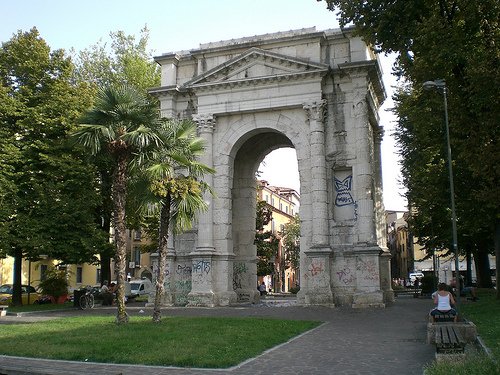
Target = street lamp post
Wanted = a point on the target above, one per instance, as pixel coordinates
(440, 84)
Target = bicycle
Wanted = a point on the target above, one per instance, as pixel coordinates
(87, 300)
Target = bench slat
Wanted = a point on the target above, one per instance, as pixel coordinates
(449, 340)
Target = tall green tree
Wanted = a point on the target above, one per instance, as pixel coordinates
(44, 191)
(122, 125)
(175, 190)
(266, 241)
(290, 237)
(125, 61)
(454, 40)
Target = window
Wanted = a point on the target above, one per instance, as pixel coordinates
(137, 236)
(281, 206)
(286, 209)
(267, 198)
(43, 272)
(79, 275)
(137, 255)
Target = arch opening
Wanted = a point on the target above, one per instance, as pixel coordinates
(262, 258)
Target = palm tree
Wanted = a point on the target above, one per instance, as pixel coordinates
(122, 125)
(175, 190)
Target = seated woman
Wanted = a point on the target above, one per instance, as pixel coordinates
(106, 294)
(443, 301)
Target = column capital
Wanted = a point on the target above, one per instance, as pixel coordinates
(205, 121)
(315, 110)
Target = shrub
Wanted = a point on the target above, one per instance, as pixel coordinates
(55, 283)
(295, 290)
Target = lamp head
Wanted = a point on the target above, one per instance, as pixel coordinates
(436, 84)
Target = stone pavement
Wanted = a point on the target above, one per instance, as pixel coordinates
(351, 342)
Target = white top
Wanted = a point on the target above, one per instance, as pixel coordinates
(443, 302)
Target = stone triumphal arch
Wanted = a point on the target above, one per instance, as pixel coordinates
(315, 91)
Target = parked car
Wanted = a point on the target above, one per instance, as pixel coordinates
(140, 287)
(6, 291)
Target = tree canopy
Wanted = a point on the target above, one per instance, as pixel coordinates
(122, 125)
(454, 40)
(47, 200)
(125, 62)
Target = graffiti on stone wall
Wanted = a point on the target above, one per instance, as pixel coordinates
(181, 291)
(202, 266)
(244, 297)
(343, 188)
(346, 276)
(368, 269)
(167, 271)
(316, 267)
(239, 269)
(183, 270)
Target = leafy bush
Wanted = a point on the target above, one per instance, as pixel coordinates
(295, 290)
(55, 283)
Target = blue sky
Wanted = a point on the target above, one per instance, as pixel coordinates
(183, 24)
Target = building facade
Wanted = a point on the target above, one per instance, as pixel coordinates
(79, 275)
(285, 203)
(315, 91)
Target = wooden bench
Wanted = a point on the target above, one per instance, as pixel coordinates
(3, 310)
(449, 340)
(442, 318)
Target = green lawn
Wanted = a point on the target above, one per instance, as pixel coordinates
(485, 314)
(177, 341)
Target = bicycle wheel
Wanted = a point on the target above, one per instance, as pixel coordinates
(83, 302)
(90, 301)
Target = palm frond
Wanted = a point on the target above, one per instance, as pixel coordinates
(93, 137)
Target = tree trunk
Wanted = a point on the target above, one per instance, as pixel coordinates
(119, 196)
(105, 267)
(162, 258)
(105, 256)
(105, 221)
(483, 269)
(468, 274)
(497, 254)
(16, 283)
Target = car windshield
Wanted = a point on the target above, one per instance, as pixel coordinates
(7, 289)
(134, 286)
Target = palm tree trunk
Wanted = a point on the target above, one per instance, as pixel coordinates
(162, 258)
(119, 196)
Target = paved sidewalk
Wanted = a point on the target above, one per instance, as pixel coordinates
(351, 342)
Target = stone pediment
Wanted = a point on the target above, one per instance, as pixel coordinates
(256, 65)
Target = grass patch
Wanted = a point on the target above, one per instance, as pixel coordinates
(473, 365)
(485, 314)
(176, 341)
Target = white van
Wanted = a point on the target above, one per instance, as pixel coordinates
(140, 287)
(414, 276)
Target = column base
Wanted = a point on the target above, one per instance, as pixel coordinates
(227, 298)
(201, 299)
(247, 296)
(317, 298)
(367, 300)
